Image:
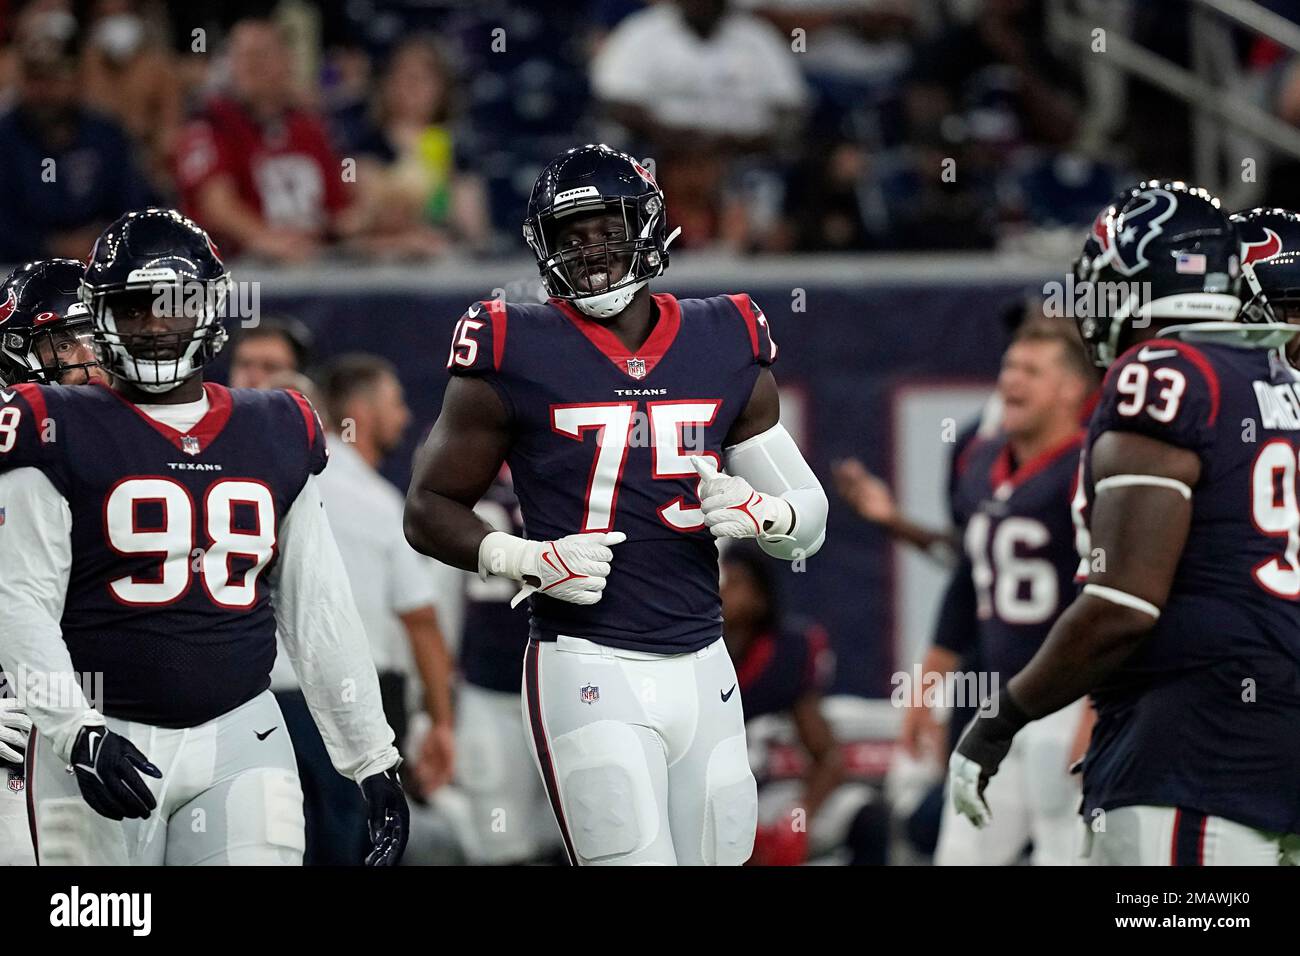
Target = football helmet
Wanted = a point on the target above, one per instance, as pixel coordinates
(588, 180)
(41, 322)
(1270, 263)
(156, 259)
(1172, 254)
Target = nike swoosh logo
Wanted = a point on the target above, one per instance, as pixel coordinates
(8, 396)
(727, 696)
(1147, 355)
(266, 733)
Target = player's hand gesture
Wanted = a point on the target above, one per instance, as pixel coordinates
(731, 506)
(389, 818)
(864, 492)
(108, 768)
(572, 568)
(15, 725)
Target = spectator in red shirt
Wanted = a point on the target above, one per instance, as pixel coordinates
(257, 169)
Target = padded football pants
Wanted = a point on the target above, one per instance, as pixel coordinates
(643, 755)
(229, 794)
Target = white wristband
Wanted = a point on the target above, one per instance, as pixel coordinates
(1122, 598)
(501, 554)
(1150, 481)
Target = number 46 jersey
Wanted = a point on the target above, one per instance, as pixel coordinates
(602, 442)
(1205, 715)
(173, 537)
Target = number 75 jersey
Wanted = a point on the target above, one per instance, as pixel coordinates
(1205, 714)
(174, 536)
(602, 442)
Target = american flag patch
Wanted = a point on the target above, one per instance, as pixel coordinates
(1190, 264)
(2, 521)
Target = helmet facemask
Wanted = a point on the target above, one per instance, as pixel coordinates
(51, 353)
(159, 361)
(600, 278)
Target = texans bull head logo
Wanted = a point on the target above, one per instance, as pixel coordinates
(1261, 249)
(1136, 227)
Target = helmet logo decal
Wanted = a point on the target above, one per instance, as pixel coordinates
(643, 173)
(1134, 229)
(1266, 248)
(7, 307)
(45, 317)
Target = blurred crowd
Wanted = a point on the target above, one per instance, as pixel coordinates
(396, 129)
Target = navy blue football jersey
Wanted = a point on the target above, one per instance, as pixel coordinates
(1019, 547)
(603, 438)
(494, 635)
(173, 537)
(1205, 715)
(781, 667)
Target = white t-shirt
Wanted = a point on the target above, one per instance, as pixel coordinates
(388, 577)
(731, 82)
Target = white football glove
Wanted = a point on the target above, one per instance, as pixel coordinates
(733, 509)
(966, 782)
(572, 568)
(15, 726)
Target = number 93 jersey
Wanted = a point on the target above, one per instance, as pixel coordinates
(602, 442)
(1206, 713)
(174, 536)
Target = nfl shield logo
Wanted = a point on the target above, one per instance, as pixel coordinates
(2, 516)
(636, 368)
(189, 444)
(590, 693)
(17, 781)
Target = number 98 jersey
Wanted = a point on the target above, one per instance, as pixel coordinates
(1205, 715)
(174, 536)
(602, 442)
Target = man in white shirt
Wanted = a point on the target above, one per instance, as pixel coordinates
(393, 588)
(158, 533)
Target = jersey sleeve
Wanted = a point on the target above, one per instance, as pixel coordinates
(761, 343)
(27, 429)
(317, 449)
(479, 340)
(1164, 389)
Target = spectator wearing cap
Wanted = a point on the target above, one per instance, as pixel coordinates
(255, 167)
(67, 171)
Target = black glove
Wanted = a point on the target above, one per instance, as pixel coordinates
(390, 818)
(108, 768)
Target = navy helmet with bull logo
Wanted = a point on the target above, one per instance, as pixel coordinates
(1172, 247)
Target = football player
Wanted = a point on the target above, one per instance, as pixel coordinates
(158, 532)
(1187, 631)
(638, 428)
(1270, 269)
(1013, 499)
(44, 337)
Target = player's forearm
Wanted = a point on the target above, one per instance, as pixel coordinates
(444, 529)
(1089, 641)
(938, 544)
(432, 661)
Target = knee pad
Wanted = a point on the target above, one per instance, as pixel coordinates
(606, 790)
(264, 817)
(731, 805)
